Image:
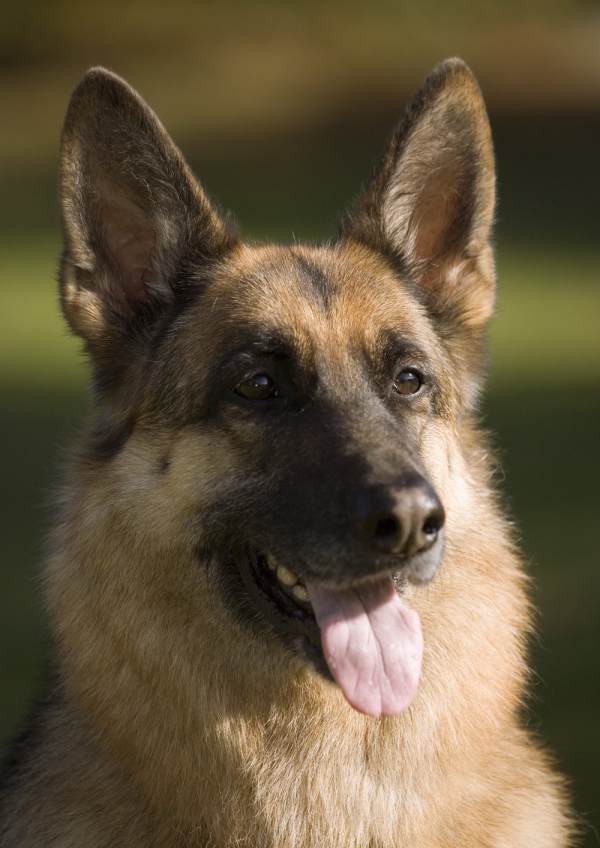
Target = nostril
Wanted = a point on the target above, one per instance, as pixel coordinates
(432, 526)
(382, 530)
(432, 522)
(386, 528)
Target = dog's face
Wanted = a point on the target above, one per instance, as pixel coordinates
(293, 403)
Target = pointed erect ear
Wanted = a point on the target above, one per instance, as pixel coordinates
(134, 217)
(429, 205)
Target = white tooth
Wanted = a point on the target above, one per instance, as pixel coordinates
(300, 593)
(285, 576)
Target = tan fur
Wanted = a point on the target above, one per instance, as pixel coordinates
(176, 725)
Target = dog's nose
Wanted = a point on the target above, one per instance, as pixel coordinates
(404, 517)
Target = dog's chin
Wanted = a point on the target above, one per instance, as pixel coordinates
(280, 597)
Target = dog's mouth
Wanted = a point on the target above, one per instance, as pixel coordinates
(362, 636)
(282, 598)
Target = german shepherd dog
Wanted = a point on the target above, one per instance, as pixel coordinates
(286, 608)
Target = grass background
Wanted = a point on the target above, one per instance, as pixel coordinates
(282, 107)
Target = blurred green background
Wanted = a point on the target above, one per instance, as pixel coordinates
(282, 108)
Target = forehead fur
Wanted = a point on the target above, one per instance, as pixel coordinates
(331, 297)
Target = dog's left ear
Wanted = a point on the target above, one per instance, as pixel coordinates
(430, 203)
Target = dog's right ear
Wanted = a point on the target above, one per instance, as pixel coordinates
(135, 220)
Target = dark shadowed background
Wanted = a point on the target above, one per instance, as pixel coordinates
(282, 107)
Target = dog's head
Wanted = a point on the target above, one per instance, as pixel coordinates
(287, 411)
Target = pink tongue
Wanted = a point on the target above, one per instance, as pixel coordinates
(372, 643)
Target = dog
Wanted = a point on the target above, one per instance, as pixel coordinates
(286, 608)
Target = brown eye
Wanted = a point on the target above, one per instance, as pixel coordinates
(258, 387)
(408, 382)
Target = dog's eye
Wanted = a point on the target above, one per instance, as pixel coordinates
(408, 382)
(257, 387)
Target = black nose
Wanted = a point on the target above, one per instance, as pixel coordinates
(403, 517)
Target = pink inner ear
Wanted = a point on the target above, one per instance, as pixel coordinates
(130, 240)
(434, 214)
